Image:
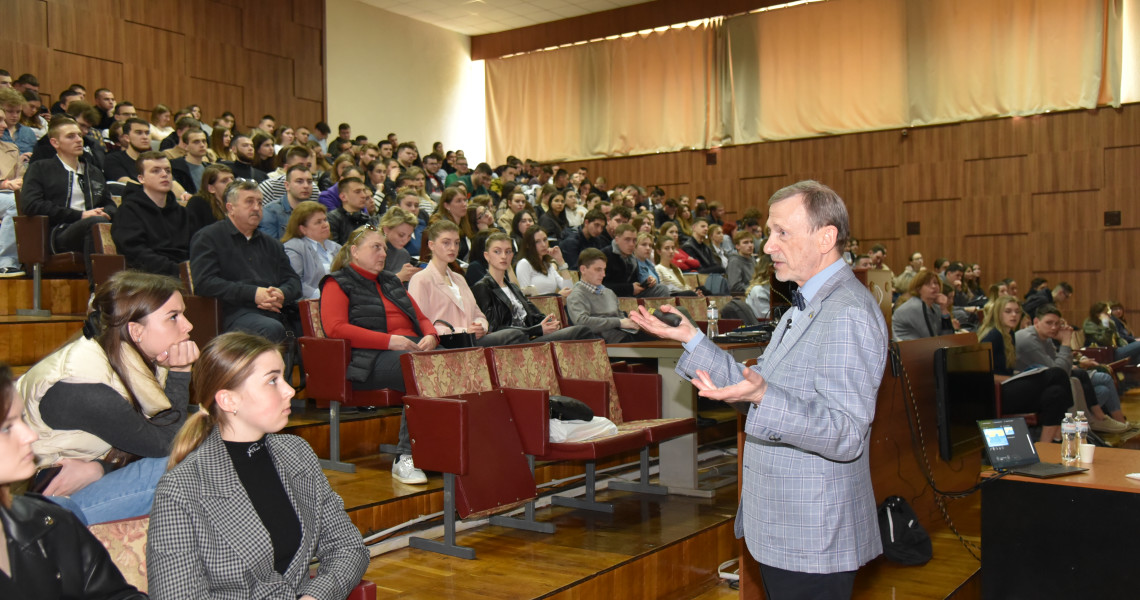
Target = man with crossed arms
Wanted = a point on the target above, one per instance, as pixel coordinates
(807, 510)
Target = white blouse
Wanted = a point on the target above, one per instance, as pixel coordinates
(544, 283)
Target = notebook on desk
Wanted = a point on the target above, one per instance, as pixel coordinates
(1010, 448)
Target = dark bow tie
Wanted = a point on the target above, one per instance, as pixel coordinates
(798, 300)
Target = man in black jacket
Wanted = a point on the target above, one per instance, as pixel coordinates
(622, 273)
(243, 168)
(354, 196)
(246, 270)
(84, 115)
(587, 236)
(151, 229)
(68, 190)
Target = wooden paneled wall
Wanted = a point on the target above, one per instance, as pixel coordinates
(1024, 197)
(250, 57)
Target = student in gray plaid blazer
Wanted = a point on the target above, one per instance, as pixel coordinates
(807, 510)
(242, 512)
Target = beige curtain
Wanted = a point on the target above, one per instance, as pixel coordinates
(820, 68)
(632, 95)
(970, 59)
(815, 69)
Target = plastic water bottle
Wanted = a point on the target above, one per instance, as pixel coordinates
(712, 316)
(1082, 429)
(1069, 449)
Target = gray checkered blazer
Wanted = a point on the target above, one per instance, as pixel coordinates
(806, 502)
(206, 540)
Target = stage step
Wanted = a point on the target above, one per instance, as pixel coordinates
(60, 296)
(651, 547)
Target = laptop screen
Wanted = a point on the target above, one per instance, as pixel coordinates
(1008, 443)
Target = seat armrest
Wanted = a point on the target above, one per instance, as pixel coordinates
(438, 428)
(594, 393)
(32, 244)
(640, 395)
(325, 361)
(365, 590)
(530, 410)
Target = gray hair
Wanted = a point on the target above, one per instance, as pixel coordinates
(238, 186)
(824, 207)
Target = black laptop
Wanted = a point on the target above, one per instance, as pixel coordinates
(1010, 449)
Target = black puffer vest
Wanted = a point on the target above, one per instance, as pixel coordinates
(366, 309)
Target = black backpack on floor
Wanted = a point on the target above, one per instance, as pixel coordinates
(905, 541)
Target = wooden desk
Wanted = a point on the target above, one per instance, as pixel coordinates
(678, 457)
(1063, 537)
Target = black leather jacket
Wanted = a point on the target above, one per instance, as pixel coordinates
(498, 309)
(54, 556)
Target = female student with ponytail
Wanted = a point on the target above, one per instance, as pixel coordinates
(106, 405)
(243, 511)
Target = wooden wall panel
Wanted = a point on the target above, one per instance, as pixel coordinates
(160, 14)
(250, 57)
(152, 48)
(995, 215)
(65, 68)
(1067, 171)
(26, 23)
(1024, 197)
(996, 138)
(990, 176)
(97, 34)
(216, 22)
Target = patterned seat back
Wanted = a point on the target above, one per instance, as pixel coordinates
(691, 280)
(694, 304)
(587, 359)
(447, 373)
(529, 366)
(549, 305)
(311, 318)
(652, 303)
(104, 243)
(628, 305)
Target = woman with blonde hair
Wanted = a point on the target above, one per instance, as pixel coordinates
(308, 246)
(369, 307)
(161, 125)
(243, 511)
(667, 271)
(106, 405)
(398, 227)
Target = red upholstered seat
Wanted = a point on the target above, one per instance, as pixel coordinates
(532, 366)
(633, 399)
(463, 428)
(325, 361)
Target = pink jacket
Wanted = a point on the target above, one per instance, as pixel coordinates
(429, 289)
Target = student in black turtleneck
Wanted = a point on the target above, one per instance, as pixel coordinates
(244, 510)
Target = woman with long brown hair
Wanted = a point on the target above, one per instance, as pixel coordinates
(116, 393)
(220, 144)
(208, 205)
(242, 511)
(453, 207)
(45, 552)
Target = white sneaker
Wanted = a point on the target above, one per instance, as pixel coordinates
(1109, 425)
(404, 471)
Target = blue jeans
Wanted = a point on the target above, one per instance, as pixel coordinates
(1105, 388)
(121, 494)
(1129, 351)
(8, 257)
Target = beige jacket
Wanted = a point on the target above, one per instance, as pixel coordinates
(83, 361)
